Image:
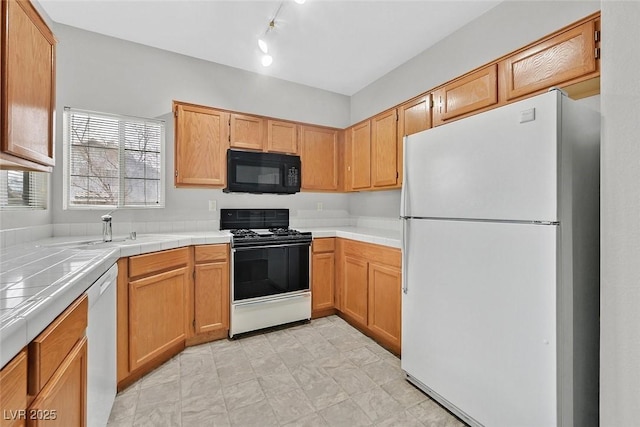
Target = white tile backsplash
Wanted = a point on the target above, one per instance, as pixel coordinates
(302, 219)
(16, 236)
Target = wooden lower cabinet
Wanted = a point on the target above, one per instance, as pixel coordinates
(168, 300)
(385, 302)
(156, 315)
(57, 370)
(369, 288)
(323, 277)
(152, 310)
(13, 391)
(211, 292)
(354, 289)
(63, 401)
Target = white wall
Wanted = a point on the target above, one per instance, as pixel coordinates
(101, 73)
(620, 216)
(508, 26)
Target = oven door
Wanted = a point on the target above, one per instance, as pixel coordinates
(264, 272)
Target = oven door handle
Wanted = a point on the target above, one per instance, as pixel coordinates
(302, 294)
(284, 245)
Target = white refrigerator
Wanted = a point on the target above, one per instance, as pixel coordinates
(500, 299)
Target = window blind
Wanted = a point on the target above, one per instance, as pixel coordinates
(113, 161)
(23, 190)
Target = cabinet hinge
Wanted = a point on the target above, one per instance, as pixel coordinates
(397, 175)
(597, 53)
(175, 113)
(596, 35)
(397, 116)
(431, 103)
(176, 173)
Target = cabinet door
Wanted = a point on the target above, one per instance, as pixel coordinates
(13, 377)
(385, 303)
(384, 149)
(200, 146)
(555, 61)
(246, 132)
(322, 281)
(354, 289)
(319, 158)
(156, 315)
(282, 137)
(359, 168)
(414, 116)
(65, 393)
(28, 83)
(470, 93)
(211, 297)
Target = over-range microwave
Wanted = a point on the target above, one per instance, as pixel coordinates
(255, 172)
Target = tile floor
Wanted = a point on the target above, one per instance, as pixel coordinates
(324, 373)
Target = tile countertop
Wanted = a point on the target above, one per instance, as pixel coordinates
(39, 280)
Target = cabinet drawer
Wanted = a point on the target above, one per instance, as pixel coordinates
(324, 245)
(372, 252)
(48, 350)
(141, 265)
(13, 377)
(211, 253)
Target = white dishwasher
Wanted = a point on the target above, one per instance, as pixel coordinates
(101, 336)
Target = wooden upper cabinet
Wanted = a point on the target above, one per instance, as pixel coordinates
(470, 93)
(414, 116)
(384, 149)
(359, 156)
(282, 137)
(201, 144)
(552, 62)
(319, 158)
(28, 87)
(246, 132)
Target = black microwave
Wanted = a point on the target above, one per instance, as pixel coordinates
(255, 172)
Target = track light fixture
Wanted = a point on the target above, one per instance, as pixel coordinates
(267, 37)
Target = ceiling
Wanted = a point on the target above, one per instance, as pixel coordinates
(340, 46)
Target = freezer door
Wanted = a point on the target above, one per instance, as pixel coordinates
(501, 164)
(479, 318)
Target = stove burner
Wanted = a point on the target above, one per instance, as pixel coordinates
(243, 232)
(284, 231)
(274, 236)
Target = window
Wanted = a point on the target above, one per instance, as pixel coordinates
(23, 190)
(112, 161)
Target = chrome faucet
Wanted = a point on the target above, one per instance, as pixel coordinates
(107, 232)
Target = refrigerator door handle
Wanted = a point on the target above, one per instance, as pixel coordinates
(405, 255)
(405, 187)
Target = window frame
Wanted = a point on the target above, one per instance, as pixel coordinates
(67, 204)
